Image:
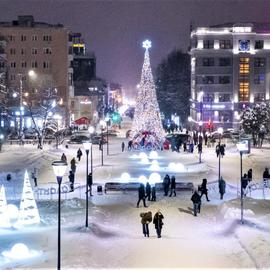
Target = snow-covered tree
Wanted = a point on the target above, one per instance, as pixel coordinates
(28, 213)
(41, 108)
(147, 115)
(256, 121)
(4, 217)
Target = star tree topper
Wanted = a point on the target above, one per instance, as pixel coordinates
(147, 44)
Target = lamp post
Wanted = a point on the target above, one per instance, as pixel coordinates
(87, 146)
(107, 119)
(21, 108)
(91, 130)
(59, 168)
(243, 147)
(102, 124)
(220, 131)
(200, 98)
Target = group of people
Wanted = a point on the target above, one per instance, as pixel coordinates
(146, 219)
(146, 192)
(169, 185)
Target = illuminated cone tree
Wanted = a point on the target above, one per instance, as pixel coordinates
(147, 114)
(28, 213)
(4, 217)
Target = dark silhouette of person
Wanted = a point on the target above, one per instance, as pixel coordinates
(141, 194)
(196, 199)
(158, 217)
(204, 190)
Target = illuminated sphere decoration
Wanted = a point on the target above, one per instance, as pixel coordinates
(145, 160)
(20, 251)
(125, 177)
(142, 155)
(147, 44)
(153, 155)
(154, 178)
(155, 162)
(154, 167)
(142, 179)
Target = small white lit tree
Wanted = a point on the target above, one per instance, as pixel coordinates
(28, 213)
(4, 217)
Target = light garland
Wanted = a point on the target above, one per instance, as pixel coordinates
(147, 115)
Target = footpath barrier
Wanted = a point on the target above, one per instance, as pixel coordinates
(133, 186)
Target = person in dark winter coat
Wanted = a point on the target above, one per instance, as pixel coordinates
(158, 217)
(73, 165)
(71, 180)
(196, 199)
(185, 146)
(173, 185)
(141, 194)
(90, 183)
(266, 175)
(153, 195)
(221, 187)
(249, 174)
(129, 145)
(63, 158)
(123, 146)
(146, 219)
(166, 184)
(204, 190)
(148, 191)
(79, 154)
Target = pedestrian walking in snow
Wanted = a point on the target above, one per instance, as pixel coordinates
(129, 145)
(266, 175)
(221, 187)
(141, 195)
(173, 185)
(249, 174)
(90, 183)
(71, 180)
(196, 199)
(204, 190)
(148, 191)
(79, 154)
(158, 217)
(153, 194)
(123, 146)
(146, 219)
(63, 158)
(73, 165)
(166, 184)
(185, 146)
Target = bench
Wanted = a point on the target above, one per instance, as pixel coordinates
(116, 186)
(178, 186)
(133, 186)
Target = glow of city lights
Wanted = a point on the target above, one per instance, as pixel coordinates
(154, 178)
(134, 156)
(125, 177)
(91, 129)
(153, 155)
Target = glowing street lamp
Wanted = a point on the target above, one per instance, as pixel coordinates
(87, 146)
(59, 168)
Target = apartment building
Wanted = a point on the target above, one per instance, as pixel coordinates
(230, 70)
(40, 47)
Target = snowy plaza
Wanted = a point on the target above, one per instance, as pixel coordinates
(114, 239)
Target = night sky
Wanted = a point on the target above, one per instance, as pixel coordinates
(114, 30)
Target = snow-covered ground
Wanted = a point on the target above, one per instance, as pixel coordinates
(114, 239)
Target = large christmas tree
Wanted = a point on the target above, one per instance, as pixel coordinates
(147, 115)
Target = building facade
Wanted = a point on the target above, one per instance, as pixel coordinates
(89, 91)
(43, 48)
(230, 70)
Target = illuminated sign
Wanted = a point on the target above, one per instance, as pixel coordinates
(78, 45)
